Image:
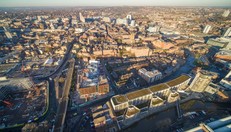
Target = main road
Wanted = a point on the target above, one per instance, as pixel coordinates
(59, 67)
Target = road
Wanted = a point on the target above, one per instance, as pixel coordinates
(110, 79)
(60, 67)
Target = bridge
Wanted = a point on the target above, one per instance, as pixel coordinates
(62, 108)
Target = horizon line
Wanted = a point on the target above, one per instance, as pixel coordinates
(121, 6)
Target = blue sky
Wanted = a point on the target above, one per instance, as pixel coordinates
(15, 3)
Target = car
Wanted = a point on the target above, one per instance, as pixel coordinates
(87, 117)
(29, 121)
(84, 113)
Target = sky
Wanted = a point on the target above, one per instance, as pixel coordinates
(23, 3)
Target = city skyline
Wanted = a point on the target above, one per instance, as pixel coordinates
(126, 65)
(23, 3)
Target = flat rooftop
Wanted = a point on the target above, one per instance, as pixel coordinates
(174, 94)
(119, 99)
(132, 110)
(158, 87)
(138, 93)
(178, 80)
(119, 113)
(99, 120)
(143, 105)
(156, 101)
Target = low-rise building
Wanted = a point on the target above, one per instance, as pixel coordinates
(93, 81)
(150, 76)
(226, 81)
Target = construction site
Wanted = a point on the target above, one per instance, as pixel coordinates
(21, 99)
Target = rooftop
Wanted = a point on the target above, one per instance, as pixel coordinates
(175, 94)
(178, 80)
(138, 93)
(132, 110)
(120, 112)
(118, 99)
(99, 120)
(156, 100)
(143, 105)
(158, 87)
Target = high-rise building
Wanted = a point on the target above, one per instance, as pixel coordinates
(82, 19)
(228, 32)
(207, 29)
(226, 13)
